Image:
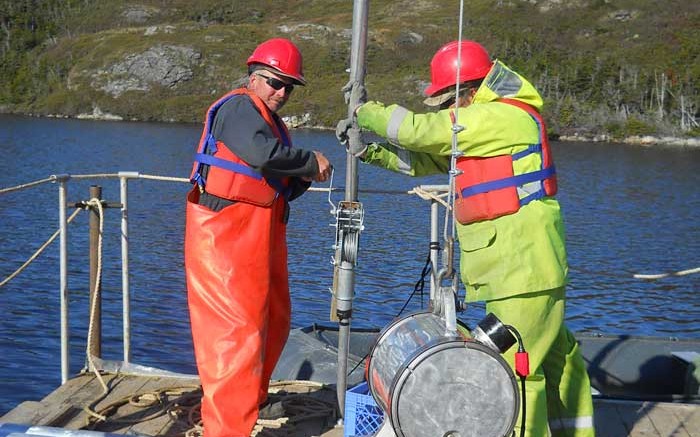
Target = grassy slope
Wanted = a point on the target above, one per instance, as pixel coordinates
(594, 60)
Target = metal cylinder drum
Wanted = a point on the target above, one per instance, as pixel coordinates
(430, 384)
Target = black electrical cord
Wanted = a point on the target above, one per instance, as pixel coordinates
(418, 288)
(420, 285)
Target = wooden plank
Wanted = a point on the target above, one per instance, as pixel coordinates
(120, 387)
(636, 419)
(185, 396)
(162, 424)
(666, 421)
(66, 403)
(26, 412)
(688, 417)
(646, 419)
(53, 407)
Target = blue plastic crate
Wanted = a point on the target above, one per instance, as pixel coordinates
(362, 415)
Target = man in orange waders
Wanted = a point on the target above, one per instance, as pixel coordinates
(245, 173)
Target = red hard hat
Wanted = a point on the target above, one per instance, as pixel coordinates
(475, 64)
(282, 56)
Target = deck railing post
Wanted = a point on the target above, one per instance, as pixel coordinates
(63, 273)
(126, 309)
(95, 340)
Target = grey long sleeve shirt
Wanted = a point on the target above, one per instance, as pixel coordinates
(239, 125)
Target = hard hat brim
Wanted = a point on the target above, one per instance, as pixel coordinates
(439, 99)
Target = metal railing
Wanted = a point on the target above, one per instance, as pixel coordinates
(428, 192)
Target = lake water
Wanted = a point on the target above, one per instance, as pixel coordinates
(628, 210)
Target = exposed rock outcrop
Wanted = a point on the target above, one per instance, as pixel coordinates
(165, 65)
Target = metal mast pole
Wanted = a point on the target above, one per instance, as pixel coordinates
(357, 74)
(350, 213)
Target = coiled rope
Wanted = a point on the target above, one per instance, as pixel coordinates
(183, 406)
(298, 406)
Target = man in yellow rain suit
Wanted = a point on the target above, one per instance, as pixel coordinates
(509, 225)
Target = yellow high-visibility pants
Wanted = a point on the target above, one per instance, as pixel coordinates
(558, 391)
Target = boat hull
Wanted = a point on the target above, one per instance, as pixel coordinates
(620, 366)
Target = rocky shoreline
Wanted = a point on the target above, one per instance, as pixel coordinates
(302, 122)
(646, 140)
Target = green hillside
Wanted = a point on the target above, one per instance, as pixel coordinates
(615, 67)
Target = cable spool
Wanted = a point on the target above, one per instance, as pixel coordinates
(430, 384)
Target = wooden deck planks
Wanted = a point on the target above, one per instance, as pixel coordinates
(173, 391)
(688, 416)
(666, 422)
(64, 408)
(615, 418)
(119, 386)
(65, 404)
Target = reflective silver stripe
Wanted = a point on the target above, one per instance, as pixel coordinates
(404, 161)
(392, 128)
(527, 189)
(573, 422)
(503, 82)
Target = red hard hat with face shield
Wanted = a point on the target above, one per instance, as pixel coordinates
(475, 63)
(282, 56)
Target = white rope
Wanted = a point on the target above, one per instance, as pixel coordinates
(665, 275)
(95, 202)
(38, 252)
(429, 195)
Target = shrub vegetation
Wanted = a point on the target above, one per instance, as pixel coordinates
(622, 67)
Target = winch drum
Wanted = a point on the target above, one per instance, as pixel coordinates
(430, 384)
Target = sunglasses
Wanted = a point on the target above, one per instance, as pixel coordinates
(277, 84)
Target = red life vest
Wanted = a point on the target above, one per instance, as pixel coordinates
(487, 188)
(229, 176)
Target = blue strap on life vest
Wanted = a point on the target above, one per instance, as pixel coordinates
(209, 145)
(513, 181)
(525, 178)
(532, 148)
(204, 156)
(227, 165)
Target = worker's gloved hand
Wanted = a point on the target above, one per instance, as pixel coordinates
(341, 130)
(355, 94)
(351, 137)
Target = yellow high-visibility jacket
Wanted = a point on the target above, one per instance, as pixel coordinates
(510, 255)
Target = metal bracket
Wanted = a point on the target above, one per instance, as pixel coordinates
(349, 222)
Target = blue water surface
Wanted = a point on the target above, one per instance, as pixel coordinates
(628, 210)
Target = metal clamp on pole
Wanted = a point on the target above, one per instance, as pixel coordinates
(446, 303)
(349, 223)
